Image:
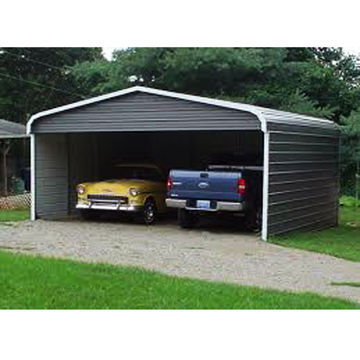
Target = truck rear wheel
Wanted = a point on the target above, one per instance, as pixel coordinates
(187, 219)
(253, 219)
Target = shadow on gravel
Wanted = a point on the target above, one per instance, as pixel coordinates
(210, 223)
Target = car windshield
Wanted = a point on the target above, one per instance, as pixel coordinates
(136, 172)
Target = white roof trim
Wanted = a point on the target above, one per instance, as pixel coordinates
(256, 110)
(13, 136)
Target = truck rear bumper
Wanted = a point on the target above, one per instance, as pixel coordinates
(220, 205)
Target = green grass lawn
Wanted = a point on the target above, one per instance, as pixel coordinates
(14, 215)
(342, 241)
(28, 282)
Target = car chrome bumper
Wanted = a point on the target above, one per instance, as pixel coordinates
(220, 205)
(113, 207)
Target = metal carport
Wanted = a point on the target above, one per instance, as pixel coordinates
(300, 153)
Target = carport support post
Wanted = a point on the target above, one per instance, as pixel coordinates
(264, 232)
(32, 175)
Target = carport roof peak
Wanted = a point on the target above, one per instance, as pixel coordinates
(260, 112)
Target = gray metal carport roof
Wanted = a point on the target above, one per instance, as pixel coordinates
(11, 130)
(315, 141)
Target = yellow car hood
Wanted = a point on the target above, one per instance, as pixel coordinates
(120, 187)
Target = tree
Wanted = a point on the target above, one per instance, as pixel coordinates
(351, 148)
(35, 79)
(317, 81)
(5, 146)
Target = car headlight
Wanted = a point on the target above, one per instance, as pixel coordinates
(134, 192)
(80, 189)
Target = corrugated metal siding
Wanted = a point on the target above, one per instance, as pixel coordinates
(303, 178)
(51, 169)
(145, 112)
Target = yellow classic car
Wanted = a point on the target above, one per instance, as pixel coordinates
(138, 188)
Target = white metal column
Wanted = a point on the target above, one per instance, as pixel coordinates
(265, 187)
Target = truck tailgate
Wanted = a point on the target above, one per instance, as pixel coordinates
(207, 185)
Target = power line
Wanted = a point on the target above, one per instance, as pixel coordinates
(24, 57)
(38, 84)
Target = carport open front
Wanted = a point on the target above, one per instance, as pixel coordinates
(94, 156)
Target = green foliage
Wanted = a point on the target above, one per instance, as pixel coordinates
(349, 201)
(28, 282)
(350, 151)
(93, 77)
(316, 81)
(35, 79)
(300, 103)
(342, 241)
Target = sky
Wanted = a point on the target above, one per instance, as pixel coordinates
(108, 51)
(354, 50)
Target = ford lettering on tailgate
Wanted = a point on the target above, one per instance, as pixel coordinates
(203, 185)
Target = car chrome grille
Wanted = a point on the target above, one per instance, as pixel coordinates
(108, 198)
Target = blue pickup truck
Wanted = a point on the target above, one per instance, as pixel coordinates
(219, 188)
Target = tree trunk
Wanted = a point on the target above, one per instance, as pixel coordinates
(357, 181)
(5, 148)
(5, 185)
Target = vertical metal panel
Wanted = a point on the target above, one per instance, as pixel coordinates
(145, 112)
(303, 178)
(51, 169)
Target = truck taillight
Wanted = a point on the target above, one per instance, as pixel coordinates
(241, 186)
(169, 183)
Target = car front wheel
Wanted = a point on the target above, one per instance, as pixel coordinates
(149, 213)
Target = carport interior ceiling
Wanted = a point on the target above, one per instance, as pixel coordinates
(78, 142)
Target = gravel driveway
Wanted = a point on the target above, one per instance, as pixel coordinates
(219, 254)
